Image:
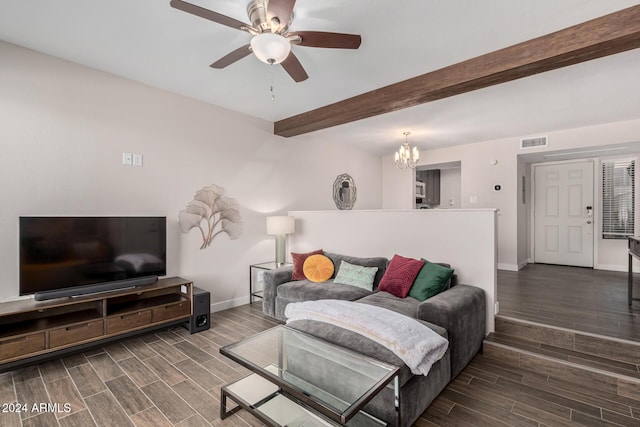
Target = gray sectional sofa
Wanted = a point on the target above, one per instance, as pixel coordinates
(457, 314)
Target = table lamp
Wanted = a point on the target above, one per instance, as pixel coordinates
(280, 226)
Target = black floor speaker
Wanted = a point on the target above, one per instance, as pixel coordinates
(201, 311)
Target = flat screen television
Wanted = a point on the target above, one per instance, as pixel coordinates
(70, 256)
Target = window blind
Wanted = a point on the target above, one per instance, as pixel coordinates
(618, 199)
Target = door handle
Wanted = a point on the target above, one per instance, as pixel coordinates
(588, 222)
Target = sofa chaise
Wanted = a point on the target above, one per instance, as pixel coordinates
(457, 314)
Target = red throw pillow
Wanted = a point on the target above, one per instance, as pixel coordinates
(298, 263)
(400, 274)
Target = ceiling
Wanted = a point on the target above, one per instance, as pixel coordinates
(150, 42)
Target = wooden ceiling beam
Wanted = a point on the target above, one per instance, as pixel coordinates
(604, 36)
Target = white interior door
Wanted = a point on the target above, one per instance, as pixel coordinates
(563, 216)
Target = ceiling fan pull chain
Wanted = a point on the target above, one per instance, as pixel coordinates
(273, 95)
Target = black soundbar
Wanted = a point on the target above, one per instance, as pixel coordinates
(95, 288)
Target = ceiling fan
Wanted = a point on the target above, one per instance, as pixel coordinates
(271, 41)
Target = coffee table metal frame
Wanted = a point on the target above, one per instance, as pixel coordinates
(299, 395)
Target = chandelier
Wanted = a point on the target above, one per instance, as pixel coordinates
(406, 157)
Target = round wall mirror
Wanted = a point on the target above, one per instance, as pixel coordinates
(344, 192)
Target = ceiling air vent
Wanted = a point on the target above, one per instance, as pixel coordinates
(538, 141)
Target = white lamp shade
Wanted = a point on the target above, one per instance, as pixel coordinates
(270, 48)
(280, 225)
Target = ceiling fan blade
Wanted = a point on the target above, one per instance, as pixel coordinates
(208, 14)
(328, 40)
(294, 68)
(232, 57)
(281, 9)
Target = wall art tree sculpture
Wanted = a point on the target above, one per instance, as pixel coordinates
(212, 213)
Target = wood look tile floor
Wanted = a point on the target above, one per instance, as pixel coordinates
(165, 378)
(172, 378)
(577, 298)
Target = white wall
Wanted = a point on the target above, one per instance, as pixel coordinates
(65, 127)
(398, 190)
(437, 235)
(479, 176)
(450, 185)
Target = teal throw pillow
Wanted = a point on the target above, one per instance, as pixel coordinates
(430, 281)
(356, 275)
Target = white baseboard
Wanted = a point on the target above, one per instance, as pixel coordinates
(523, 264)
(508, 267)
(611, 267)
(606, 267)
(223, 305)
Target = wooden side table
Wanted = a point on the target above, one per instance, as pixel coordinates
(256, 281)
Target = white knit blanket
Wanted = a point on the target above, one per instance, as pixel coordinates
(415, 344)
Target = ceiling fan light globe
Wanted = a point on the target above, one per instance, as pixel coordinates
(270, 48)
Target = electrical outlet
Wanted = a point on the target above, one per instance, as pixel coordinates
(137, 159)
(127, 159)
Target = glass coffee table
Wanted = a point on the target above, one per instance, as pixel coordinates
(300, 380)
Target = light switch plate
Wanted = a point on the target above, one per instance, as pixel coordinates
(137, 159)
(127, 159)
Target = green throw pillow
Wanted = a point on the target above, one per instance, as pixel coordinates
(356, 275)
(431, 280)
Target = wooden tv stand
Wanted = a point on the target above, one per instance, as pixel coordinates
(31, 331)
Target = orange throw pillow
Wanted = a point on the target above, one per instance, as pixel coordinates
(318, 268)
